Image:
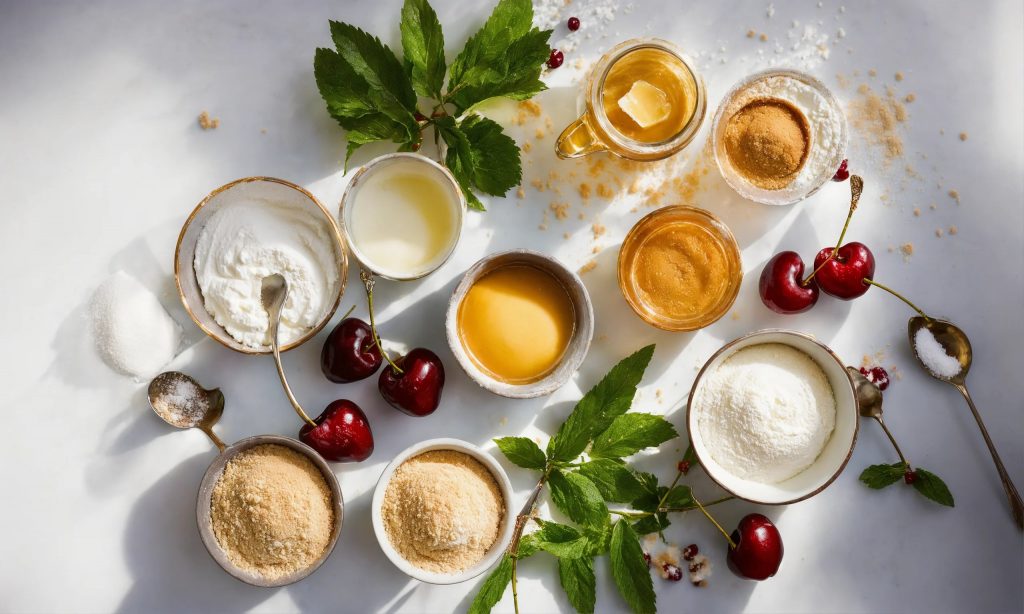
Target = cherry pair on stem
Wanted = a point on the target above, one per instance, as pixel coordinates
(411, 383)
(844, 271)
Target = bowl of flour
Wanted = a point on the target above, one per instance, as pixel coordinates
(239, 234)
(772, 417)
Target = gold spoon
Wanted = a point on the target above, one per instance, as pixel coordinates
(181, 402)
(956, 344)
(273, 292)
(869, 404)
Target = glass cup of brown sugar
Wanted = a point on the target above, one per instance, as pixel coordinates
(644, 101)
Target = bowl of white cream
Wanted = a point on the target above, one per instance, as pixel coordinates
(244, 231)
(402, 215)
(773, 417)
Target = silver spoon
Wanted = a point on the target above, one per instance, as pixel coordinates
(956, 344)
(181, 402)
(869, 404)
(273, 292)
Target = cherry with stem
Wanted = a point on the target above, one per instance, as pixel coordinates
(856, 189)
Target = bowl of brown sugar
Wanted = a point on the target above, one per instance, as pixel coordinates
(441, 511)
(269, 510)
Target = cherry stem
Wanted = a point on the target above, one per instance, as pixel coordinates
(732, 544)
(872, 282)
(369, 282)
(349, 312)
(693, 507)
(856, 189)
(893, 440)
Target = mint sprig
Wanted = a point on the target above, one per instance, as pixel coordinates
(925, 482)
(373, 94)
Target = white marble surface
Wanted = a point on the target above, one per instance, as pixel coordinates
(101, 160)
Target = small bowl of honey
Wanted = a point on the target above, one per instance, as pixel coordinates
(679, 268)
(520, 323)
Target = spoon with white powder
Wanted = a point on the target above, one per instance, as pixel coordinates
(945, 353)
(181, 402)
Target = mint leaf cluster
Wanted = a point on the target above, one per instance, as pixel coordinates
(924, 482)
(376, 96)
(584, 466)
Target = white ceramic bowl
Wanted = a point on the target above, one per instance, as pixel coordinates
(443, 175)
(833, 458)
(268, 188)
(579, 343)
(504, 532)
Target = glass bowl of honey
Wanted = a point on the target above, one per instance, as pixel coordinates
(520, 323)
(679, 268)
(644, 101)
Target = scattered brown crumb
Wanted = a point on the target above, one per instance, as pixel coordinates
(598, 229)
(604, 191)
(910, 98)
(763, 37)
(907, 249)
(955, 196)
(584, 191)
(872, 72)
(565, 235)
(539, 134)
(596, 249)
(917, 211)
(963, 136)
(878, 118)
(527, 146)
(263, 130)
(938, 232)
(208, 123)
(751, 33)
(521, 193)
(899, 76)
(581, 216)
(953, 230)
(538, 184)
(932, 207)
(736, 316)
(588, 267)
(561, 210)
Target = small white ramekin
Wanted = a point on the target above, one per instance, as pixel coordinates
(504, 533)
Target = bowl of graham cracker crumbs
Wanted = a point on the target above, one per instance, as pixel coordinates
(269, 510)
(441, 511)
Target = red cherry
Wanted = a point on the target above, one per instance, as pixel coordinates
(910, 476)
(417, 389)
(556, 58)
(843, 276)
(574, 24)
(842, 173)
(672, 572)
(683, 466)
(758, 551)
(877, 376)
(342, 433)
(350, 353)
(781, 286)
(689, 552)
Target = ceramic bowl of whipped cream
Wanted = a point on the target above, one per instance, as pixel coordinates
(244, 231)
(773, 417)
(402, 215)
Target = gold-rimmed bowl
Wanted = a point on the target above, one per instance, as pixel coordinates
(833, 457)
(204, 502)
(257, 188)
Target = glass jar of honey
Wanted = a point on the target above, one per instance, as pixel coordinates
(679, 268)
(644, 101)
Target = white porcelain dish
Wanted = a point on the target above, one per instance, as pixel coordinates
(504, 532)
(836, 453)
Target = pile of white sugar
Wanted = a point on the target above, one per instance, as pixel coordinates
(934, 356)
(766, 412)
(133, 332)
(251, 238)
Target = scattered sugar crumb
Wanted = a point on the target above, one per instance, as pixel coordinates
(751, 33)
(584, 190)
(598, 229)
(527, 146)
(955, 195)
(736, 316)
(872, 72)
(953, 230)
(938, 232)
(588, 267)
(763, 37)
(963, 136)
(208, 123)
(521, 193)
(910, 98)
(917, 211)
(899, 76)
(561, 210)
(907, 249)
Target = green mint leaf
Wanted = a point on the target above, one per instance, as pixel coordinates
(496, 165)
(690, 456)
(523, 452)
(630, 571)
(561, 540)
(493, 587)
(679, 496)
(630, 433)
(578, 498)
(880, 476)
(389, 88)
(613, 479)
(652, 524)
(580, 584)
(459, 158)
(504, 58)
(611, 397)
(528, 546)
(348, 102)
(598, 539)
(423, 46)
(932, 487)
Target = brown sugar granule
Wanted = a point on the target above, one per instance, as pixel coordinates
(604, 191)
(767, 142)
(751, 33)
(953, 230)
(764, 38)
(272, 512)
(527, 146)
(910, 98)
(539, 134)
(938, 232)
(588, 267)
(899, 76)
(955, 196)
(584, 191)
(907, 249)
(917, 211)
(878, 118)
(208, 123)
(442, 511)
(521, 193)
(963, 136)
(872, 72)
(561, 210)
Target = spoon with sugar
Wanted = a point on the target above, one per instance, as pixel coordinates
(181, 402)
(944, 351)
